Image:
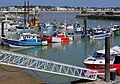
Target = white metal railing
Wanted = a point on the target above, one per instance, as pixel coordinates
(29, 62)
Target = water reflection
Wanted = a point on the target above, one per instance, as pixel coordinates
(34, 51)
(58, 46)
(72, 53)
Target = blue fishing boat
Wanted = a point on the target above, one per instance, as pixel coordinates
(100, 36)
(26, 40)
(100, 33)
(48, 28)
(78, 29)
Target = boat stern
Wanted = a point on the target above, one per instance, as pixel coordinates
(44, 42)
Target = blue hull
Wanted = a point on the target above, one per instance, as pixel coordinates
(17, 27)
(24, 43)
(100, 36)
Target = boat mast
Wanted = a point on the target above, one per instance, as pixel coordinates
(24, 13)
(28, 10)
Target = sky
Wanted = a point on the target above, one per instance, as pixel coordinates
(71, 3)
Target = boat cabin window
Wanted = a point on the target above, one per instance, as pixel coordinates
(98, 55)
(117, 60)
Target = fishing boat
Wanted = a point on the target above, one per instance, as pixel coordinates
(21, 27)
(53, 39)
(114, 27)
(97, 60)
(78, 29)
(58, 37)
(48, 28)
(99, 33)
(25, 40)
(100, 36)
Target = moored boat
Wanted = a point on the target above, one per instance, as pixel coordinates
(99, 33)
(26, 39)
(53, 39)
(117, 33)
(97, 61)
(100, 36)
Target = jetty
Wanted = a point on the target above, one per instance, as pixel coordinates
(99, 15)
(48, 66)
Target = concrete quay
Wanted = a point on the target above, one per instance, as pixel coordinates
(100, 80)
(99, 17)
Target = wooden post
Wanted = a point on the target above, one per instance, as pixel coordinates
(85, 26)
(2, 32)
(107, 59)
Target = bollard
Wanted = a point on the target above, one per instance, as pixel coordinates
(112, 75)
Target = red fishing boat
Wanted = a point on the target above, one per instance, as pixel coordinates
(59, 37)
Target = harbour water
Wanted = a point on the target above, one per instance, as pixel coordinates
(69, 53)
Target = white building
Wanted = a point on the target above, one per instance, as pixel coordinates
(60, 9)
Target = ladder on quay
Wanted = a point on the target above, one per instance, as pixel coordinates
(38, 64)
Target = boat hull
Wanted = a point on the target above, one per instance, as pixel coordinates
(26, 43)
(100, 67)
(57, 39)
(117, 33)
(100, 36)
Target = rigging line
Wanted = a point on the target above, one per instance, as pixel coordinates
(10, 70)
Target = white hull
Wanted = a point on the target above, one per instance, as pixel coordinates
(15, 46)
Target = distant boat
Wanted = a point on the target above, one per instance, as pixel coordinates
(78, 29)
(117, 33)
(58, 37)
(52, 39)
(115, 29)
(25, 40)
(48, 28)
(99, 33)
(21, 27)
(100, 36)
(69, 27)
(8, 26)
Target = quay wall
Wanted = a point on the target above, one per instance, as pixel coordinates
(99, 17)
